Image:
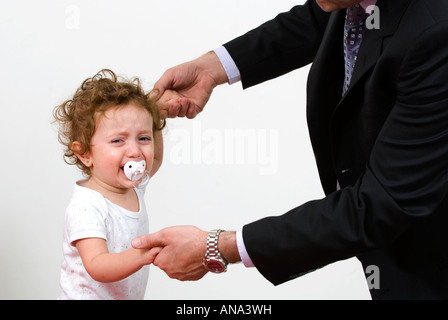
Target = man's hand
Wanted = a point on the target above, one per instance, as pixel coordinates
(181, 250)
(182, 253)
(191, 85)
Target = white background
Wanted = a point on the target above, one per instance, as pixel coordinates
(48, 47)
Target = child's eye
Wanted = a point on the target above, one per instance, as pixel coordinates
(116, 141)
(145, 139)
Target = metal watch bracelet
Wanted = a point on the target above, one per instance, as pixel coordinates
(213, 261)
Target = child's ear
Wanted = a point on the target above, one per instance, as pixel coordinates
(84, 157)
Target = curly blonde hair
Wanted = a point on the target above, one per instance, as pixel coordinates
(76, 117)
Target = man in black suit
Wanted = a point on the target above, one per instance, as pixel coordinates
(377, 110)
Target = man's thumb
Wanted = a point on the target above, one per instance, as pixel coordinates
(147, 241)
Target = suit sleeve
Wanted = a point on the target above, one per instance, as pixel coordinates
(281, 45)
(405, 181)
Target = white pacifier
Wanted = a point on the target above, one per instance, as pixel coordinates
(136, 172)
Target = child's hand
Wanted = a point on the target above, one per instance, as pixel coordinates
(148, 256)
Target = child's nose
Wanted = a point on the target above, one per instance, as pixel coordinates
(133, 150)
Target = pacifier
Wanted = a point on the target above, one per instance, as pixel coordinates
(136, 172)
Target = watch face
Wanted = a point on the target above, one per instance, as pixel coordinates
(215, 266)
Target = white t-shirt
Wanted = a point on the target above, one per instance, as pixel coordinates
(90, 215)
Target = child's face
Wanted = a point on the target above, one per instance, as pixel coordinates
(121, 135)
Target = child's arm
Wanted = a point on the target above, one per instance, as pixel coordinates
(103, 266)
(158, 152)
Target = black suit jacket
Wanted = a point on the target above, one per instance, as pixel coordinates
(385, 141)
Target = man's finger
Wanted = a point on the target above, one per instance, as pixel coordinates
(173, 110)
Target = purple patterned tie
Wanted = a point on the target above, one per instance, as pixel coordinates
(354, 31)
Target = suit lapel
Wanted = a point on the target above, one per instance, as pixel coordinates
(327, 70)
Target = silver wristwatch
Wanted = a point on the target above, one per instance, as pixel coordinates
(213, 261)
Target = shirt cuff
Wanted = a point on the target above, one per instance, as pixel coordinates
(242, 249)
(233, 74)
